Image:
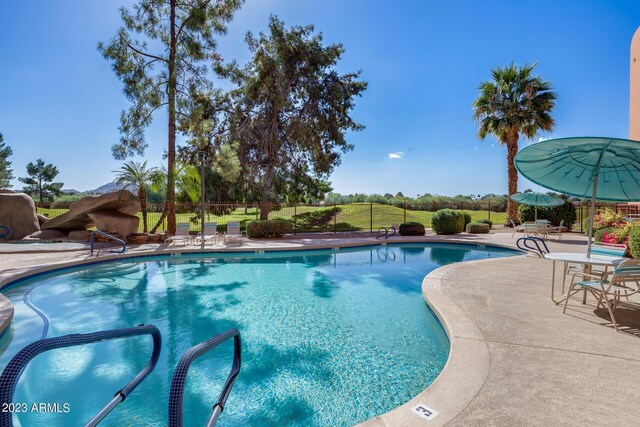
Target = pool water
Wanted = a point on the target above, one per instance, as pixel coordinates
(330, 338)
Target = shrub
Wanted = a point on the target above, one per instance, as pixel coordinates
(555, 215)
(268, 228)
(486, 221)
(606, 218)
(467, 218)
(477, 228)
(634, 242)
(411, 229)
(598, 235)
(447, 221)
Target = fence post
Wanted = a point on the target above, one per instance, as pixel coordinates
(581, 216)
(371, 218)
(295, 218)
(462, 205)
(405, 212)
(489, 210)
(335, 215)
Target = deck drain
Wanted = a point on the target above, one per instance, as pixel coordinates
(424, 411)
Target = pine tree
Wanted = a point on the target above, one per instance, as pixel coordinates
(6, 173)
(40, 183)
(184, 35)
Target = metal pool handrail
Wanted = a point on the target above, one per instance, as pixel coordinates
(523, 244)
(176, 393)
(386, 234)
(102, 233)
(16, 366)
(7, 231)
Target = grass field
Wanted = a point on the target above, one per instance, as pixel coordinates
(351, 217)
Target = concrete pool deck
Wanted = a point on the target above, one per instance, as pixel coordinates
(515, 358)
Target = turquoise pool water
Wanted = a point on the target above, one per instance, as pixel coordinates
(329, 338)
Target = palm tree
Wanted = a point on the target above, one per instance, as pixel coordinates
(137, 175)
(514, 103)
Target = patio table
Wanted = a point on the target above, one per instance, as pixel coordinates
(577, 258)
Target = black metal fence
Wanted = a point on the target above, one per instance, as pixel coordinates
(332, 218)
(327, 218)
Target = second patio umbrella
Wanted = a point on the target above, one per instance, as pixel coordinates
(599, 168)
(537, 199)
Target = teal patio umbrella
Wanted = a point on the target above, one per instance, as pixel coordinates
(599, 168)
(537, 199)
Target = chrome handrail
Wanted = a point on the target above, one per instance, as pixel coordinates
(11, 374)
(176, 393)
(102, 233)
(523, 244)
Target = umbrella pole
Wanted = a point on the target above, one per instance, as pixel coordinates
(591, 214)
(536, 216)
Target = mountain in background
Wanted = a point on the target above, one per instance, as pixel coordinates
(109, 187)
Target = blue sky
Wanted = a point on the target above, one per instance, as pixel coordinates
(60, 101)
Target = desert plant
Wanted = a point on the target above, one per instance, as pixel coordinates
(603, 219)
(598, 235)
(447, 221)
(555, 215)
(467, 218)
(486, 221)
(411, 229)
(634, 242)
(477, 228)
(268, 228)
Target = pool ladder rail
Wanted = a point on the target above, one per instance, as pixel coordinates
(16, 366)
(533, 245)
(109, 236)
(384, 232)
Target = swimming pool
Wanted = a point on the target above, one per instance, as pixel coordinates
(330, 338)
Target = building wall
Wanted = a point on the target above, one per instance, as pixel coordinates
(634, 88)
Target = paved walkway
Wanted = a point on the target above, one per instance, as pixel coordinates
(545, 367)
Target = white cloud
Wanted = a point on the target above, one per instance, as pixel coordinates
(542, 139)
(396, 155)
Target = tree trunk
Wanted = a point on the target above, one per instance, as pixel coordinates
(165, 210)
(171, 149)
(512, 172)
(266, 194)
(142, 196)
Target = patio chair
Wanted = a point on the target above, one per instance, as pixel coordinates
(556, 230)
(233, 231)
(624, 282)
(516, 228)
(210, 233)
(532, 229)
(182, 234)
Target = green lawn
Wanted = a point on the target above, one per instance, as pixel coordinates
(355, 216)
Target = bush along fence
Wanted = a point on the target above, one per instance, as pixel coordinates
(321, 218)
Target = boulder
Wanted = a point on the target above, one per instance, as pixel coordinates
(42, 219)
(47, 235)
(78, 215)
(117, 223)
(81, 235)
(18, 212)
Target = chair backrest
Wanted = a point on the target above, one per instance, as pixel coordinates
(627, 271)
(210, 228)
(182, 229)
(561, 224)
(608, 249)
(542, 221)
(233, 228)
